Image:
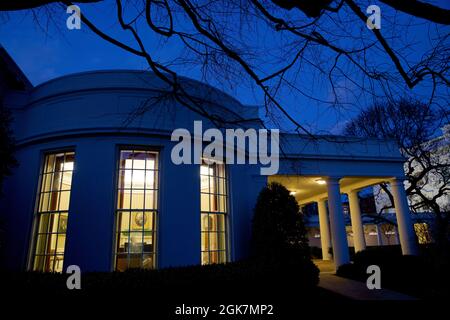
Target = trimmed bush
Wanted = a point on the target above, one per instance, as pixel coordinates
(278, 233)
(242, 279)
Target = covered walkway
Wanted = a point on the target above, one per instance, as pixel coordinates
(322, 170)
(353, 289)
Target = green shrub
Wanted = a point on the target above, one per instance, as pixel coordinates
(7, 160)
(278, 230)
(315, 252)
(242, 279)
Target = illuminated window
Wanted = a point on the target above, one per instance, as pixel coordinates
(137, 209)
(213, 198)
(52, 212)
(422, 232)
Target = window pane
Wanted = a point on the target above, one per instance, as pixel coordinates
(64, 200)
(39, 262)
(44, 200)
(150, 199)
(220, 222)
(59, 162)
(213, 222)
(123, 221)
(147, 261)
(51, 243)
(205, 241)
(49, 163)
(59, 262)
(69, 161)
(125, 179)
(204, 183)
(139, 220)
(54, 222)
(221, 171)
(46, 182)
(213, 241)
(222, 189)
(121, 262)
(204, 170)
(139, 159)
(222, 256)
(123, 241)
(124, 199)
(67, 180)
(61, 243)
(125, 159)
(205, 257)
(214, 257)
(44, 223)
(204, 222)
(204, 198)
(62, 223)
(136, 242)
(222, 243)
(138, 179)
(150, 182)
(41, 243)
(56, 182)
(135, 260)
(53, 201)
(213, 202)
(152, 163)
(148, 221)
(212, 185)
(148, 242)
(222, 201)
(137, 199)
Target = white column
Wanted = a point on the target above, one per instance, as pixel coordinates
(337, 223)
(379, 235)
(396, 235)
(357, 227)
(404, 223)
(325, 240)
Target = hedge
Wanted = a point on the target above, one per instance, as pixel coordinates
(242, 278)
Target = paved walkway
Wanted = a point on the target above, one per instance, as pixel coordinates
(353, 289)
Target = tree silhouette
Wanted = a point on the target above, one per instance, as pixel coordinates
(281, 47)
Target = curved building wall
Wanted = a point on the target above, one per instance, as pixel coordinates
(92, 114)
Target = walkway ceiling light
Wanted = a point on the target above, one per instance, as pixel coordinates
(321, 181)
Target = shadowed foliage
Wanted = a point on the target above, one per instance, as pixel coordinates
(425, 276)
(279, 232)
(318, 52)
(7, 160)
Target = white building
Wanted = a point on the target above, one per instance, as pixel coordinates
(98, 189)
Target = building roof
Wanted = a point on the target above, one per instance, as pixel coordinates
(136, 80)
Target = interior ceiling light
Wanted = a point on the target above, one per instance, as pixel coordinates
(321, 181)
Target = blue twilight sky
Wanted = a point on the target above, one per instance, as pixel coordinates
(44, 55)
